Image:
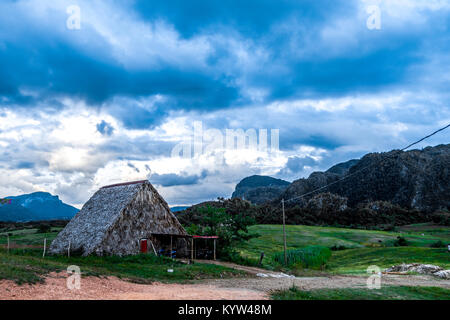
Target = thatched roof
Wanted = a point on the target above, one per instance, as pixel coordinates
(114, 219)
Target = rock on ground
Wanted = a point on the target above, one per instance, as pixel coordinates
(422, 269)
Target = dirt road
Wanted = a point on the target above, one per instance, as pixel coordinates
(277, 280)
(250, 288)
(112, 288)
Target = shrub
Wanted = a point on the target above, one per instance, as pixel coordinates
(311, 257)
(441, 217)
(43, 228)
(438, 244)
(338, 248)
(400, 242)
(235, 257)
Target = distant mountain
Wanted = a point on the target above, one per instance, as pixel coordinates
(259, 189)
(36, 206)
(178, 208)
(342, 168)
(417, 179)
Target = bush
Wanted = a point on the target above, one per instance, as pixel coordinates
(441, 217)
(338, 248)
(43, 228)
(235, 257)
(312, 257)
(438, 244)
(400, 242)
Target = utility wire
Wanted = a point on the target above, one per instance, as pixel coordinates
(362, 169)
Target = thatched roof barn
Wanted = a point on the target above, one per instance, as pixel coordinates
(114, 220)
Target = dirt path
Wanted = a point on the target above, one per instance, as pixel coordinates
(277, 280)
(112, 288)
(250, 270)
(332, 282)
(249, 288)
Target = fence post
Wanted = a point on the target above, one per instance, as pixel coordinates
(68, 250)
(284, 233)
(45, 247)
(7, 236)
(192, 249)
(261, 258)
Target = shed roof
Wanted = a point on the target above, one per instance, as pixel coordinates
(124, 184)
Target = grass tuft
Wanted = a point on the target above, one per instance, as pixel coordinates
(311, 257)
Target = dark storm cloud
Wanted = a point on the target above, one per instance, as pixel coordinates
(251, 18)
(172, 179)
(39, 65)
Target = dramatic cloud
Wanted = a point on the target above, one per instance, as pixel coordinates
(171, 179)
(107, 103)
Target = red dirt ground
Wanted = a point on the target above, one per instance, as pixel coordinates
(112, 288)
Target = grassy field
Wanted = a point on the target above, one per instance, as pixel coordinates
(28, 266)
(385, 293)
(364, 247)
(28, 237)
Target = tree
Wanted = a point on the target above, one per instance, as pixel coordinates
(44, 228)
(230, 228)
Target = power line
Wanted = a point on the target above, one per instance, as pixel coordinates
(428, 136)
(362, 169)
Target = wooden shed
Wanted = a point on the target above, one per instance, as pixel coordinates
(117, 217)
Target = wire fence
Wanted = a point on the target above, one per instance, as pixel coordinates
(9, 244)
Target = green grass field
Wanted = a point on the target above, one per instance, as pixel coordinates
(384, 293)
(28, 237)
(365, 247)
(28, 266)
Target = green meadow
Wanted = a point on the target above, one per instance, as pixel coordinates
(361, 247)
(385, 293)
(26, 265)
(358, 250)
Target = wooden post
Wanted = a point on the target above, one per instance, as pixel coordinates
(68, 250)
(45, 247)
(284, 233)
(192, 248)
(154, 250)
(214, 249)
(261, 258)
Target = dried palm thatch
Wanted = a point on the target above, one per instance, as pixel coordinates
(115, 218)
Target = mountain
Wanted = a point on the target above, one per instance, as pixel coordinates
(178, 208)
(36, 206)
(259, 189)
(416, 179)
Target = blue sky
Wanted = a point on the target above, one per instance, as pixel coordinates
(106, 103)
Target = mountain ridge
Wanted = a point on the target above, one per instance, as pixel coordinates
(36, 206)
(415, 179)
(259, 189)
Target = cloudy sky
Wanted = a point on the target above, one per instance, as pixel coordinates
(99, 92)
